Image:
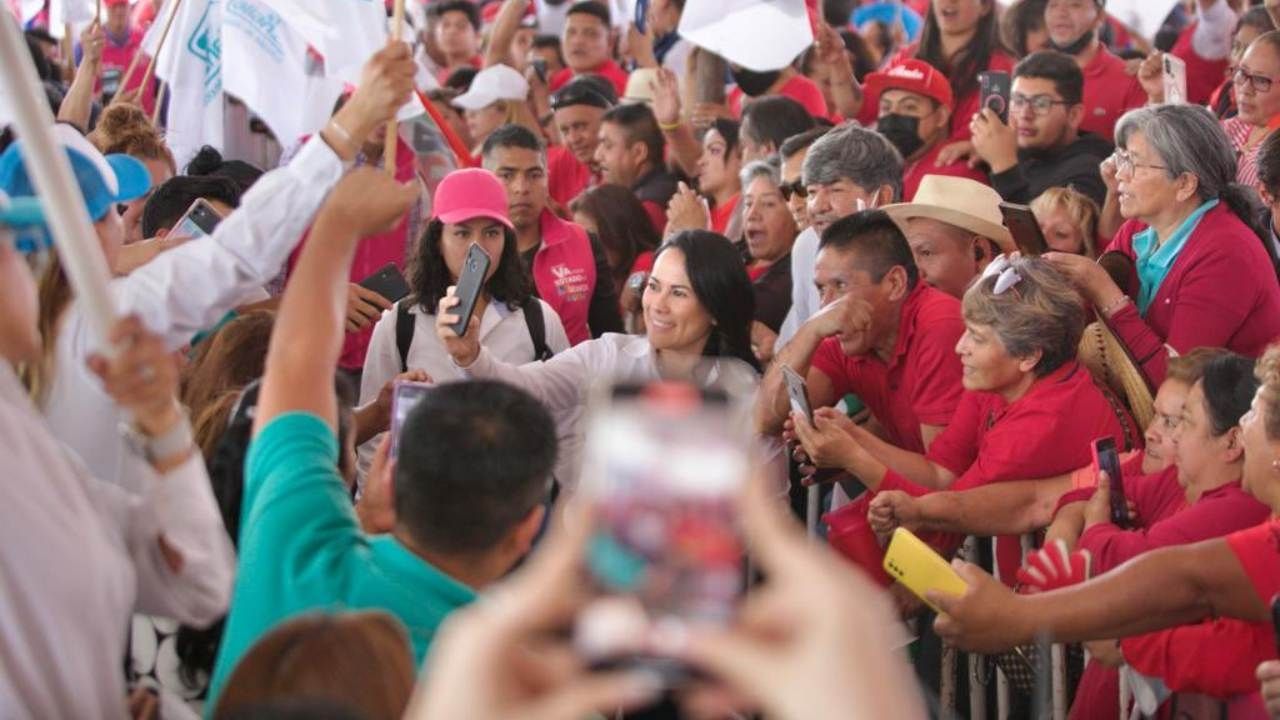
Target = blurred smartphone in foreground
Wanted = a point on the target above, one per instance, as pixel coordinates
(664, 465)
(404, 397)
(919, 568)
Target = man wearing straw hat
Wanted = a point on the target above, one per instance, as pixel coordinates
(954, 228)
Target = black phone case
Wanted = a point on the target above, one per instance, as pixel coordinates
(1109, 462)
(995, 88)
(205, 219)
(1025, 229)
(387, 282)
(474, 268)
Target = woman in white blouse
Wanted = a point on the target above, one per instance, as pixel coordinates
(698, 307)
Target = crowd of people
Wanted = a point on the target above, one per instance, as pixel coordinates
(218, 511)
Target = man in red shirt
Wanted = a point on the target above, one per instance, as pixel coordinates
(586, 47)
(785, 82)
(915, 104)
(570, 269)
(455, 27)
(1109, 90)
(630, 154)
(577, 110)
(882, 334)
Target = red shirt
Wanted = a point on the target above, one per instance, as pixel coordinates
(920, 385)
(610, 70)
(1109, 92)
(797, 87)
(1258, 550)
(117, 57)
(1203, 76)
(566, 177)
(914, 172)
(722, 214)
(564, 272)
(1193, 308)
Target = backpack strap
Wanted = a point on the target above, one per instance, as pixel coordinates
(404, 332)
(532, 309)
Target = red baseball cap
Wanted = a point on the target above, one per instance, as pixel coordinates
(916, 76)
(468, 194)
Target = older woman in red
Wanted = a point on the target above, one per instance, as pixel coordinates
(1029, 410)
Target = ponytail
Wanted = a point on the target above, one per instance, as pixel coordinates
(1243, 201)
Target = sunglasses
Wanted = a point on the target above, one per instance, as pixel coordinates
(795, 187)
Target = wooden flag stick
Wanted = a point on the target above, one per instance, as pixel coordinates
(151, 64)
(155, 113)
(68, 52)
(128, 73)
(390, 141)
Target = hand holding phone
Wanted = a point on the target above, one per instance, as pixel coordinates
(1025, 229)
(1107, 458)
(475, 269)
(404, 397)
(914, 564)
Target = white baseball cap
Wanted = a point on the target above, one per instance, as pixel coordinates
(494, 83)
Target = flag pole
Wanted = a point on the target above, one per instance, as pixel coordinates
(75, 240)
(151, 64)
(390, 141)
(155, 112)
(68, 53)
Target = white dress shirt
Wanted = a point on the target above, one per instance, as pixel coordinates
(503, 331)
(180, 293)
(804, 293)
(78, 555)
(562, 384)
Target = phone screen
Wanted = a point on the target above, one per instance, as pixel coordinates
(664, 465)
(199, 221)
(1109, 462)
(1025, 229)
(404, 398)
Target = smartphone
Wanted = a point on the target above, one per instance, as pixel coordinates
(405, 396)
(1025, 229)
(994, 93)
(1107, 458)
(664, 464)
(199, 221)
(540, 67)
(388, 282)
(798, 392)
(1175, 80)
(475, 268)
(1275, 619)
(914, 564)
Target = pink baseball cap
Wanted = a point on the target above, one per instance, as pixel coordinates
(470, 193)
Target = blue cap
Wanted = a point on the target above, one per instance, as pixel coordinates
(889, 13)
(25, 218)
(103, 180)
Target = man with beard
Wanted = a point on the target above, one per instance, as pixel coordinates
(1109, 89)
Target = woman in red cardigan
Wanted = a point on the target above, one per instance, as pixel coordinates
(1029, 409)
(1204, 277)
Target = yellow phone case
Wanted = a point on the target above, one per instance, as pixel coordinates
(914, 564)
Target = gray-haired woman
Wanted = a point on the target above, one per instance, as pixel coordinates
(770, 231)
(1204, 278)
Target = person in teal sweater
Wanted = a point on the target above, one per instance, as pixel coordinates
(459, 507)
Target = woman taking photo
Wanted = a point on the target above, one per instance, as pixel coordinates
(698, 307)
(1204, 278)
(770, 232)
(1029, 409)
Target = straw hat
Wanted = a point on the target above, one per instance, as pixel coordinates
(1108, 361)
(962, 202)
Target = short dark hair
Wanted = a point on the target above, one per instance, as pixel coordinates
(796, 143)
(545, 40)
(1061, 68)
(209, 162)
(774, 118)
(511, 135)
(877, 240)
(1229, 386)
(720, 282)
(586, 89)
(1269, 164)
(728, 130)
(590, 7)
(475, 458)
(641, 127)
(466, 7)
(169, 201)
(461, 78)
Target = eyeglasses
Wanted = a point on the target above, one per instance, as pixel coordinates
(1259, 83)
(1040, 104)
(795, 187)
(1126, 164)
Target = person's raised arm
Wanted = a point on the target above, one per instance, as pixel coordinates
(505, 26)
(308, 332)
(846, 91)
(684, 145)
(77, 105)
(1010, 508)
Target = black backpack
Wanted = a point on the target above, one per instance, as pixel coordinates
(533, 319)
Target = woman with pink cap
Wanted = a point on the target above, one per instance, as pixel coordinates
(469, 207)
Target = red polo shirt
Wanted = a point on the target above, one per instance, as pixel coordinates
(566, 177)
(722, 214)
(1192, 307)
(564, 273)
(1203, 76)
(914, 172)
(1258, 550)
(1109, 92)
(797, 87)
(610, 70)
(920, 385)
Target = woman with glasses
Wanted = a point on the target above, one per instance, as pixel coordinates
(1203, 276)
(1257, 88)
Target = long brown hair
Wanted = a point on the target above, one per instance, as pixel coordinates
(54, 293)
(125, 128)
(220, 368)
(358, 660)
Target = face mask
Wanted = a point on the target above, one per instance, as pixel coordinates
(753, 83)
(1076, 47)
(903, 131)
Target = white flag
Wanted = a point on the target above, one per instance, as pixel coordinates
(345, 32)
(61, 12)
(757, 35)
(265, 65)
(190, 63)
